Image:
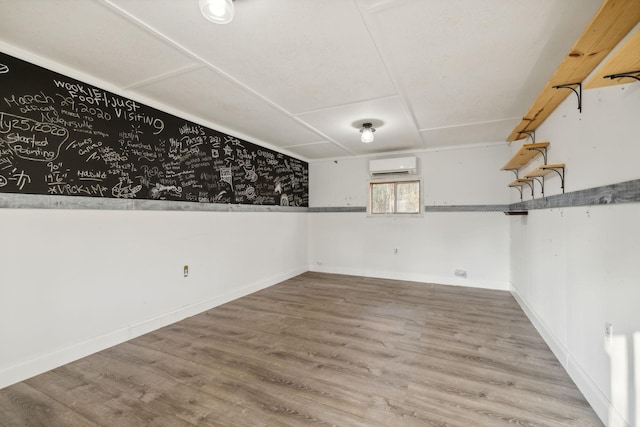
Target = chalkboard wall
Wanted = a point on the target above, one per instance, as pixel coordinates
(60, 136)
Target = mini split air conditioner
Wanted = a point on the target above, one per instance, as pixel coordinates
(394, 166)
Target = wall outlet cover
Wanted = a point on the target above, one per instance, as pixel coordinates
(461, 273)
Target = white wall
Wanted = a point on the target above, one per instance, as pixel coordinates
(430, 248)
(574, 269)
(454, 176)
(73, 282)
(76, 281)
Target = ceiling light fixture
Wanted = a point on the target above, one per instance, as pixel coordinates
(367, 131)
(218, 11)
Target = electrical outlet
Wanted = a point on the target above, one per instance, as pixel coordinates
(608, 335)
(396, 251)
(461, 273)
(185, 270)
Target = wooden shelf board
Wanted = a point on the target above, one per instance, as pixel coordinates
(520, 182)
(623, 60)
(525, 154)
(610, 24)
(537, 172)
(543, 170)
(553, 166)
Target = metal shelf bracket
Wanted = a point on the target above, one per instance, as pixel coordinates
(542, 151)
(577, 92)
(530, 184)
(530, 133)
(540, 181)
(520, 190)
(560, 174)
(628, 74)
(515, 172)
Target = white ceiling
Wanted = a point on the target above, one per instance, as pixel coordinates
(301, 75)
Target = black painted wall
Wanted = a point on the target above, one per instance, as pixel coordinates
(60, 136)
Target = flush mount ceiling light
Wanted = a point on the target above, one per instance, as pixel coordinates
(218, 11)
(367, 131)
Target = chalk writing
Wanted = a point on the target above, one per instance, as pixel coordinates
(159, 191)
(60, 136)
(226, 175)
(20, 177)
(125, 189)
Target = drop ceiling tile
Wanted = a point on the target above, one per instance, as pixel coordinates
(322, 150)
(205, 94)
(463, 61)
(88, 37)
(460, 66)
(394, 127)
(495, 131)
(302, 55)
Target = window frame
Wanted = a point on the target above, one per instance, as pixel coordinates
(395, 179)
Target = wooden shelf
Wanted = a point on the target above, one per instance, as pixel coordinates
(611, 23)
(520, 182)
(623, 60)
(525, 154)
(541, 171)
(544, 170)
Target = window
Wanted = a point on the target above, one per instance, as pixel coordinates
(394, 197)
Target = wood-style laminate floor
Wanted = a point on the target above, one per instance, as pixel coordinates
(324, 350)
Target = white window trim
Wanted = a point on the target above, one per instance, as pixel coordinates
(390, 179)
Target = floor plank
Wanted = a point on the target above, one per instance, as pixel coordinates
(319, 349)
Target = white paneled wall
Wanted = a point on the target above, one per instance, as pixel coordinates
(575, 269)
(431, 247)
(77, 281)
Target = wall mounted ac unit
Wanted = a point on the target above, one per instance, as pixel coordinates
(393, 166)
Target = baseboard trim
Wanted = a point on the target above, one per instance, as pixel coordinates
(596, 398)
(44, 363)
(412, 277)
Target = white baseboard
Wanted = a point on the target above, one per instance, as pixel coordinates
(596, 398)
(36, 366)
(412, 277)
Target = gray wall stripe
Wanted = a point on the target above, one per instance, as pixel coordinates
(339, 209)
(623, 192)
(34, 201)
(467, 208)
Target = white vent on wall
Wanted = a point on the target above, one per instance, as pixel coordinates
(393, 166)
